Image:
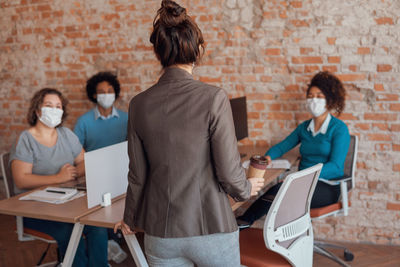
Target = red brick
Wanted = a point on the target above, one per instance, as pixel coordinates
(311, 68)
(307, 60)
(329, 68)
(379, 137)
(331, 40)
(206, 79)
(296, 4)
(379, 87)
(396, 147)
(363, 50)
(280, 116)
(383, 147)
(258, 106)
(254, 134)
(383, 67)
(393, 206)
(362, 126)
(292, 96)
(292, 87)
(351, 77)
(353, 68)
(273, 51)
(253, 115)
(380, 116)
(259, 96)
(333, 60)
(259, 125)
(306, 50)
(299, 23)
(381, 126)
(384, 20)
(347, 117)
(395, 127)
(395, 107)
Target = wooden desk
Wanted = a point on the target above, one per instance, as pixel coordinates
(270, 175)
(108, 217)
(68, 212)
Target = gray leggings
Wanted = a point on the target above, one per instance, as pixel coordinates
(216, 250)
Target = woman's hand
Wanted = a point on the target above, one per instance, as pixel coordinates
(256, 185)
(126, 230)
(67, 173)
(269, 160)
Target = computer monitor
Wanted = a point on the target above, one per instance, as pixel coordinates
(239, 112)
(106, 171)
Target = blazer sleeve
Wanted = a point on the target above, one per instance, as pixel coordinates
(225, 155)
(137, 174)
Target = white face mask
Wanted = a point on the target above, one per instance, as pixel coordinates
(317, 106)
(106, 100)
(51, 117)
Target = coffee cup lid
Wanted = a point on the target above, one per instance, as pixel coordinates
(258, 159)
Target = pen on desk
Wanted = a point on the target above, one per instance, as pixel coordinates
(55, 191)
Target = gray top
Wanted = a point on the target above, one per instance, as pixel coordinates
(47, 160)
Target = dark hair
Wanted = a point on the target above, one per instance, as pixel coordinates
(176, 38)
(106, 76)
(332, 88)
(37, 101)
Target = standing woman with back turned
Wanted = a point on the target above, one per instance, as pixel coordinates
(183, 157)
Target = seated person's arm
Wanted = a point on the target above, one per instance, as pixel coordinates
(25, 179)
(339, 147)
(80, 164)
(284, 146)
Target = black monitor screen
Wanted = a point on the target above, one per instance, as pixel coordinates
(239, 112)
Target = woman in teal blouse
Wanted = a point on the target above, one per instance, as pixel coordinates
(323, 139)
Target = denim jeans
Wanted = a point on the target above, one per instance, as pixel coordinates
(91, 251)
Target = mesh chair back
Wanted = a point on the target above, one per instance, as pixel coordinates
(295, 203)
(6, 173)
(350, 162)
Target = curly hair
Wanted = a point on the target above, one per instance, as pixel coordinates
(37, 101)
(106, 76)
(332, 88)
(176, 38)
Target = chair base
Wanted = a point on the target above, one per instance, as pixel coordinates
(319, 247)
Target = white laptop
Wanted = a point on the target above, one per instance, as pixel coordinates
(106, 171)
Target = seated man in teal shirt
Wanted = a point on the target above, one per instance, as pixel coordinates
(323, 139)
(104, 125)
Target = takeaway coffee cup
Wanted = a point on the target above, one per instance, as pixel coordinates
(257, 167)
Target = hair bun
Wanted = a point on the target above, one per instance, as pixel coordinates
(171, 14)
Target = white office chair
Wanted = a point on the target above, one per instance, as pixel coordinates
(347, 182)
(287, 232)
(24, 234)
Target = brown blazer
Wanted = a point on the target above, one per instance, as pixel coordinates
(183, 159)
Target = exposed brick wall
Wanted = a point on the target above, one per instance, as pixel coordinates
(266, 50)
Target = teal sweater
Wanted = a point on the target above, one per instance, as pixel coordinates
(329, 148)
(94, 134)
